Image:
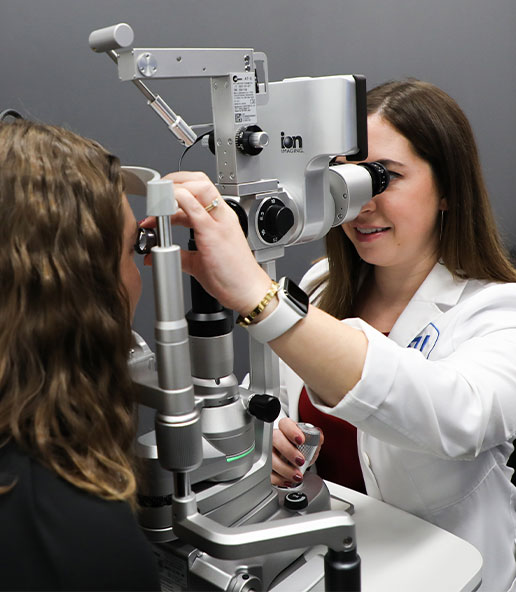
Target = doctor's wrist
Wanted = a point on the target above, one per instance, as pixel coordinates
(282, 307)
(263, 308)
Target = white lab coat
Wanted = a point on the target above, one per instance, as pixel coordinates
(435, 410)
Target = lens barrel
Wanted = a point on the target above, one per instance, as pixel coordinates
(379, 176)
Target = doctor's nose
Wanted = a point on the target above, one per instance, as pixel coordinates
(368, 207)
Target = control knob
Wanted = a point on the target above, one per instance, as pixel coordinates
(275, 219)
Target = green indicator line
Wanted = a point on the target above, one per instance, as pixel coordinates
(232, 458)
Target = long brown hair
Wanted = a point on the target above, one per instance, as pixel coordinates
(440, 134)
(66, 397)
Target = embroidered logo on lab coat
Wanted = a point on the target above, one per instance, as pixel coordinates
(426, 340)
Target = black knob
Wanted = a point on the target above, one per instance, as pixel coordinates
(240, 212)
(275, 219)
(296, 500)
(278, 219)
(264, 407)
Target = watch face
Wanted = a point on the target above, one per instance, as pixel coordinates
(297, 296)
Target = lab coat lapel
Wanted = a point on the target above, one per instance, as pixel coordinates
(437, 294)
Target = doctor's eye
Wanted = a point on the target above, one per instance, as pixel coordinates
(393, 175)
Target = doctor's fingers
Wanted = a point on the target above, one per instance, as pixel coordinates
(293, 433)
(286, 449)
(208, 214)
(291, 430)
(179, 177)
(202, 189)
(283, 473)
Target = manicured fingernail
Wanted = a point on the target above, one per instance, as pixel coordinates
(300, 461)
(298, 477)
(141, 221)
(298, 440)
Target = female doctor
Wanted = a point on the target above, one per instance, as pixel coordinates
(426, 369)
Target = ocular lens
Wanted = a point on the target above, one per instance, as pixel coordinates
(379, 176)
(145, 240)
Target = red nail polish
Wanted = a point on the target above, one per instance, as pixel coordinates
(300, 461)
(298, 440)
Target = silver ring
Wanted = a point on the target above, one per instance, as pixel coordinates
(211, 206)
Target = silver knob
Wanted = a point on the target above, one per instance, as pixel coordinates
(259, 139)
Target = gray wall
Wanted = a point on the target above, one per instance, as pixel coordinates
(468, 47)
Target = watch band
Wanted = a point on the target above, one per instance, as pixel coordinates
(280, 320)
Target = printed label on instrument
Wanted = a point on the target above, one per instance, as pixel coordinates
(244, 98)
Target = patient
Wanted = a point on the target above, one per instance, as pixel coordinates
(69, 287)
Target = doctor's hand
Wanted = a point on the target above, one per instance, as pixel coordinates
(286, 458)
(223, 263)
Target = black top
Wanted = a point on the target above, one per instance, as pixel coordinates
(54, 536)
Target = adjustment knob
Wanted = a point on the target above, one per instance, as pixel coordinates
(264, 407)
(251, 140)
(296, 500)
(240, 212)
(274, 220)
(278, 219)
(259, 139)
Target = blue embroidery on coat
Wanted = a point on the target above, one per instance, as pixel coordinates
(426, 340)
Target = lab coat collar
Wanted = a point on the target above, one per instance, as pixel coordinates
(439, 292)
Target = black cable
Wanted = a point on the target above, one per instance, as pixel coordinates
(198, 139)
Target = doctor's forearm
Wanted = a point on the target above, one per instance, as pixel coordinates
(328, 355)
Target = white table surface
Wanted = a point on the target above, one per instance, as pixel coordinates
(402, 553)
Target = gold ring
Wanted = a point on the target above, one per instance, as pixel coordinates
(211, 206)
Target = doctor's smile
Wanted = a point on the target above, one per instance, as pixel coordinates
(367, 234)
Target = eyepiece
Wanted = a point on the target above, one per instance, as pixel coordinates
(379, 176)
(353, 185)
(145, 240)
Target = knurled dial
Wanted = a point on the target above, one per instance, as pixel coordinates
(274, 220)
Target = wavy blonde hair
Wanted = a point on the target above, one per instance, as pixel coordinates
(66, 397)
(440, 134)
